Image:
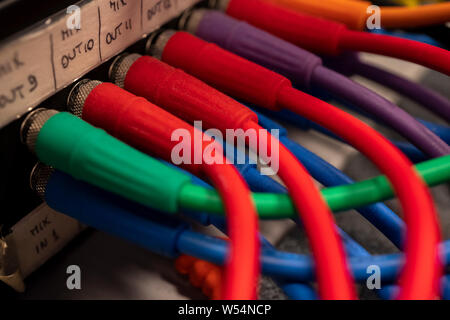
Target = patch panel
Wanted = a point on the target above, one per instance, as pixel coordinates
(128, 117)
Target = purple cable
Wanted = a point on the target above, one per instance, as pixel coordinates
(350, 64)
(306, 69)
(381, 108)
(426, 97)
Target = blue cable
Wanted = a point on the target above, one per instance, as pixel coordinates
(441, 131)
(414, 154)
(294, 290)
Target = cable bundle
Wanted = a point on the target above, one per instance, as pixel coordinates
(45, 131)
(329, 37)
(191, 99)
(248, 81)
(354, 13)
(304, 69)
(113, 214)
(149, 128)
(160, 98)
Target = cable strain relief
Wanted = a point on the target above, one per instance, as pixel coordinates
(32, 125)
(191, 20)
(221, 5)
(79, 94)
(40, 174)
(120, 66)
(157, 42)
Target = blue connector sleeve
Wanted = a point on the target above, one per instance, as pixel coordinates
(110, 213)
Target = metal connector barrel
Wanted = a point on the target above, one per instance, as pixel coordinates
(79, 94)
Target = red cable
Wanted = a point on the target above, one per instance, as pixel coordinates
(242, 266)
(334, 279)
(409, 50)
(330, 37)
(255, 84)
(149, 128)
(420, 277)
(192, 100)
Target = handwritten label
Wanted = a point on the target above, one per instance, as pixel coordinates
(49, 57)
(25, 75)
(76, 51)
(41, 234)
(120, 25)
(156, 11)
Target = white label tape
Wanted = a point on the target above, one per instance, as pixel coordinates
(49, 56)
(40, 235)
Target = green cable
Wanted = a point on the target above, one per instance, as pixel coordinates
(279, 206)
